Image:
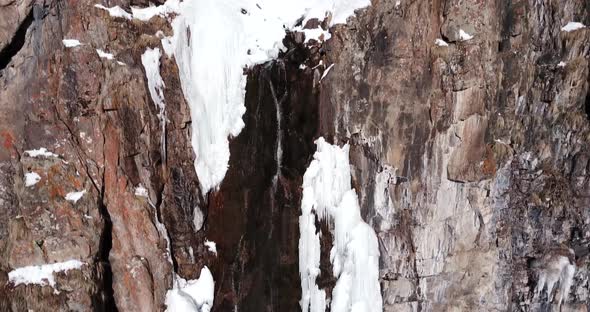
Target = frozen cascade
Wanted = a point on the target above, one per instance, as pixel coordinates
(278, 103)
(214, 89)
(327, 195)
(279, 148)
(211, 61)
(151, 63)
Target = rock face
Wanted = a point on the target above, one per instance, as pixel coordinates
(471, 159)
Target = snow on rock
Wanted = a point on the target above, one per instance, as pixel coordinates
(141, 191)
(211, 246)
(441, 43)
(103, 54)
(463, 36)
(193, 295)
(40, 152)
(115, 11)
(198, 218)
(381, 200)
(327, 194)
(145, 14)
(211, 60)
(151, 62)
(571, 26)
(75, 196)
(317, 34)
(326, 72)
(70, 43)
(41, 274)
(31, 178)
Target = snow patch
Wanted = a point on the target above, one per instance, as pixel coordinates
(115, 11)
(145, 14)
(318, 34)
(141, 191)
(31, 178)
(103, 54)
(211, 246)
(41, 274)
(70, 43)
(75, 196)
(561, 64)
(40, 152)
(441, 43)
(328, 195)
(571, 26)
(193, 295)
(463, 36)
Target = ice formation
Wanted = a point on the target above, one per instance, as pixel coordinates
(212, 42)
(41, 274)
(326, 72)
(556, 269)
(214, 89)
(151, 63)
(327, 195)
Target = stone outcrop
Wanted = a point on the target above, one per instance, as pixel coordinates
(471, 160)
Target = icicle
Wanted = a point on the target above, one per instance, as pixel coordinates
(327, 194)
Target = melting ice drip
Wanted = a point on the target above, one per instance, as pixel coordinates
(328, 196)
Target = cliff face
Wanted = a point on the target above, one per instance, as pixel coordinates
(471, 159)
